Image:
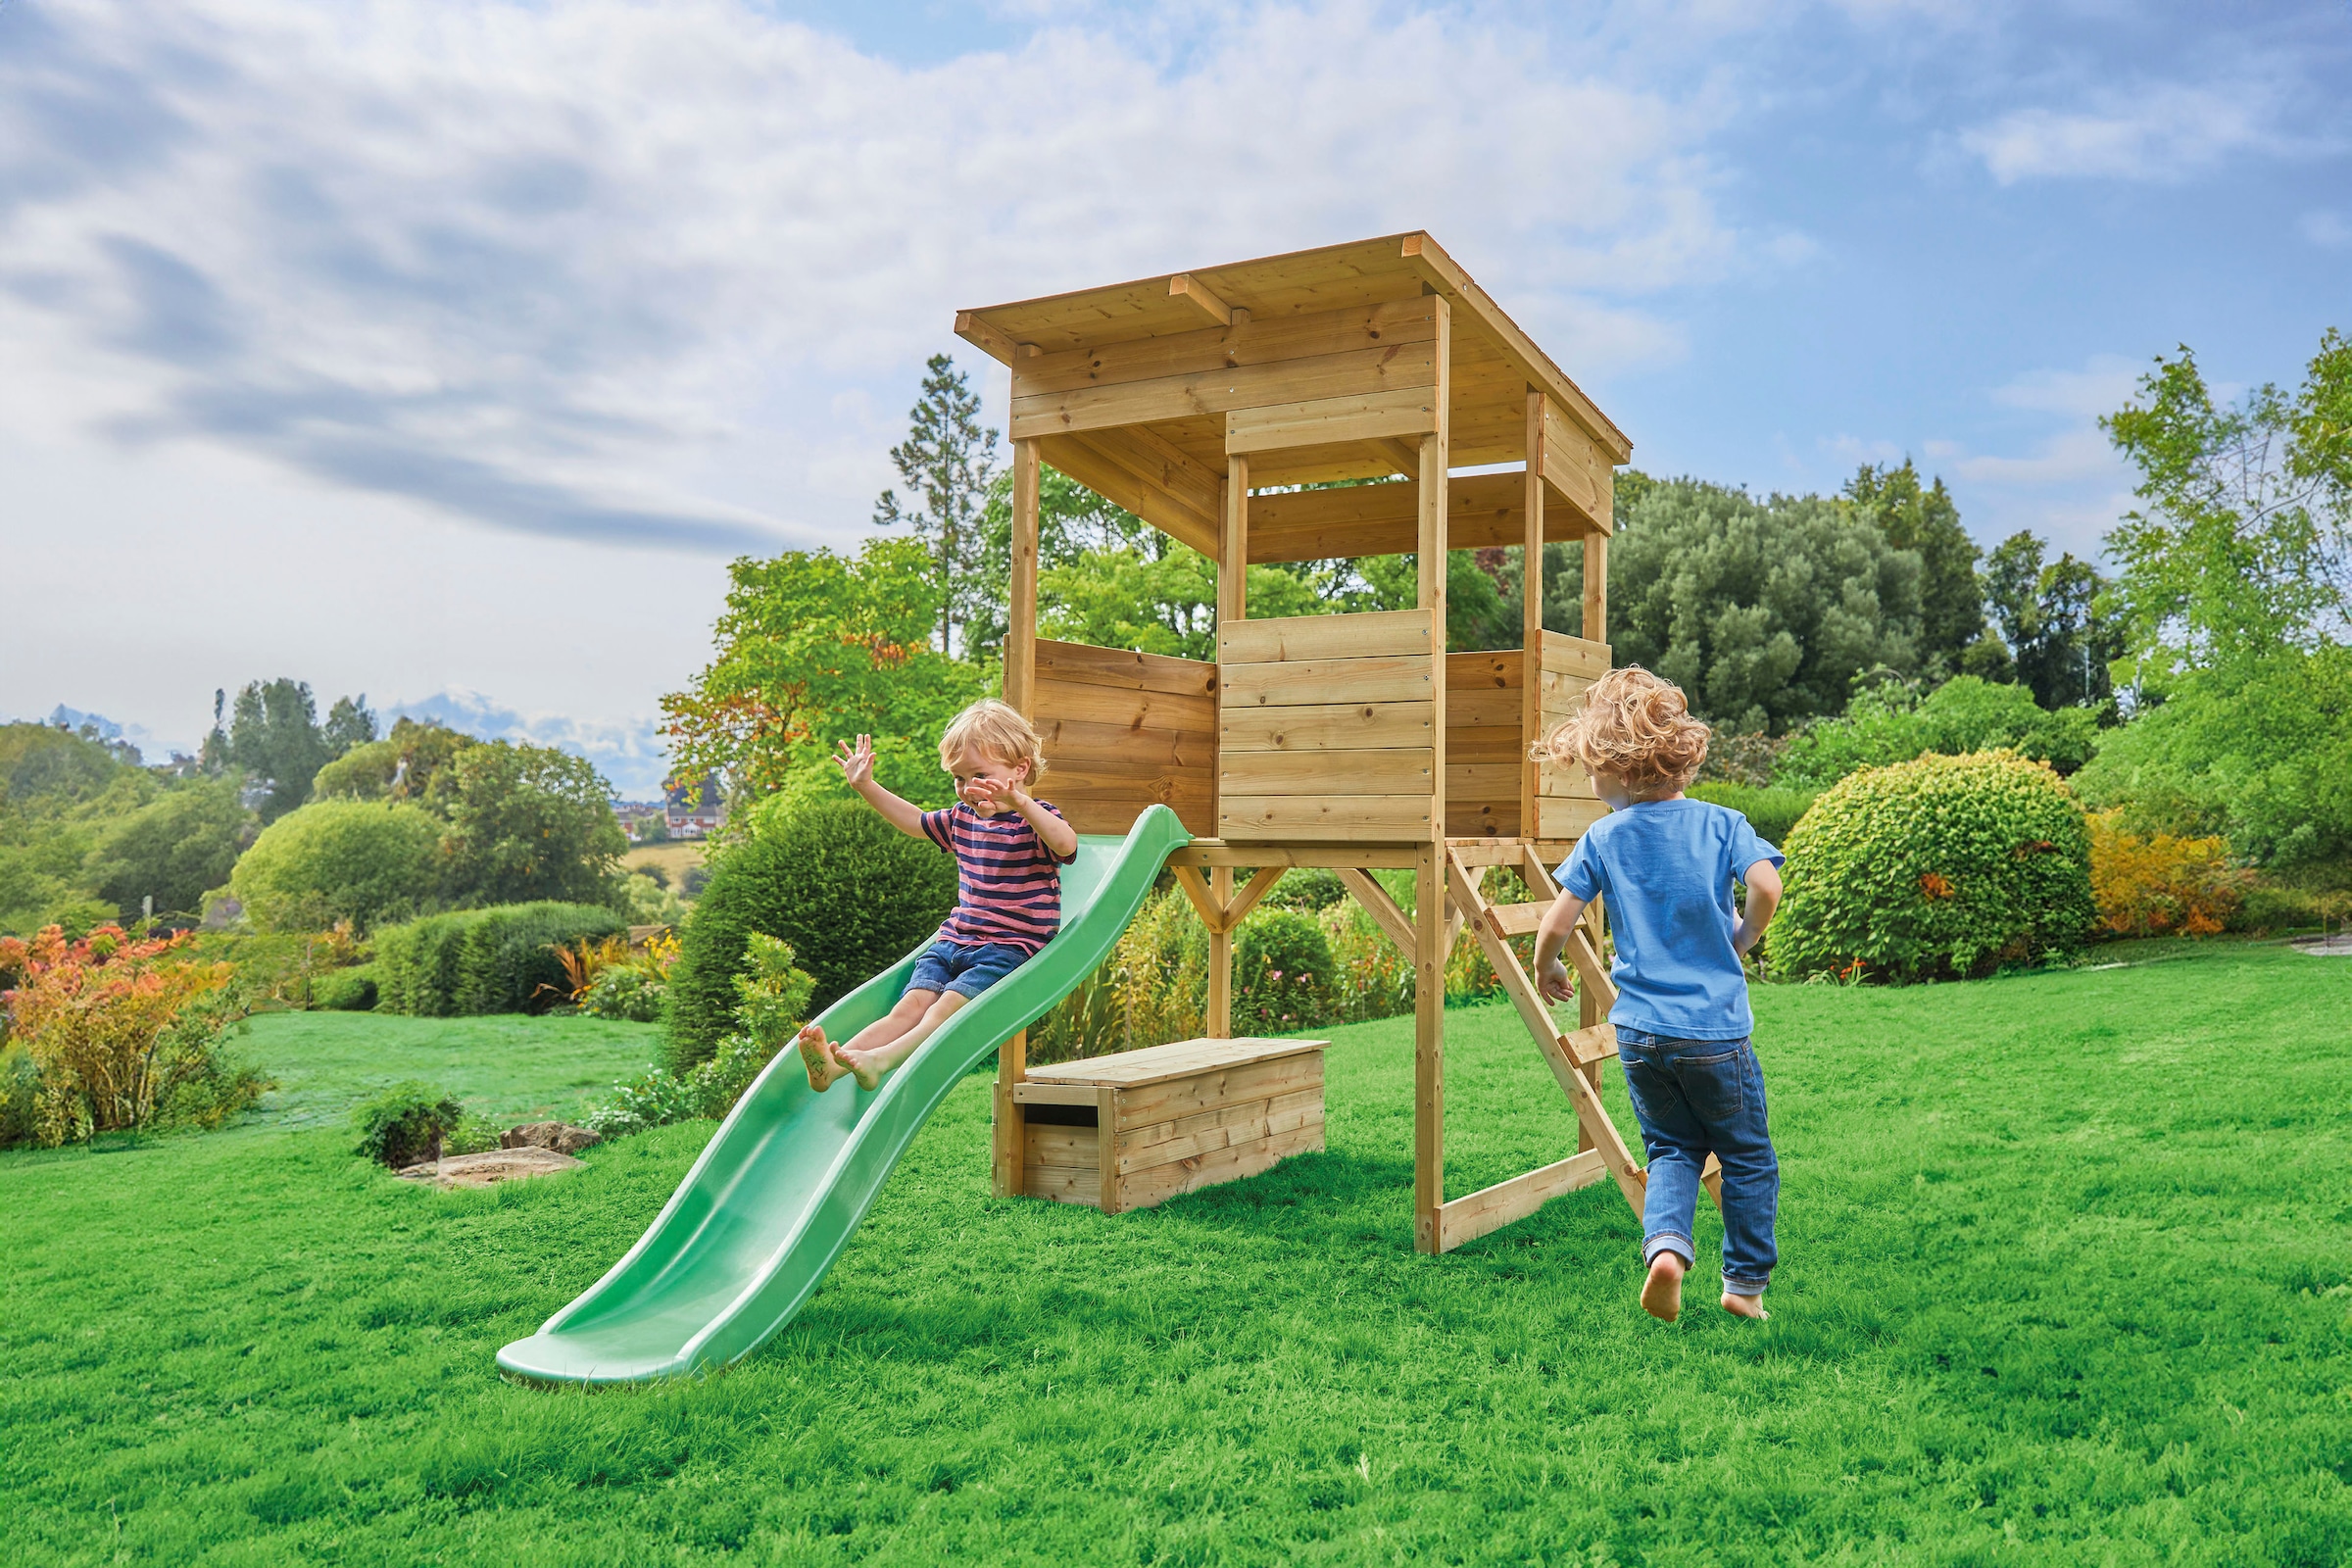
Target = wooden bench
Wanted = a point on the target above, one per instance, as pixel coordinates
(1180, 1118)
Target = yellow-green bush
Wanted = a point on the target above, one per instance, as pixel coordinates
(1942, 866)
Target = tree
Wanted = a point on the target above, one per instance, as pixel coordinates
(366, 861)
(173, 850)
(2060, 638)
(411, 764)
(529, 822)
(275, 741)
(1951, 609)
(2242, 544)
(348, 724)
(1763, 612)
(815, 648)
(947, 461)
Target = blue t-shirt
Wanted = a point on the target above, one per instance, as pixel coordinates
(1665, 870)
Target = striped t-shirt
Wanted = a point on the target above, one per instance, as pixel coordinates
(1007, 883)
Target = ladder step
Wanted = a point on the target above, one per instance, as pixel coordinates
(1514, 919)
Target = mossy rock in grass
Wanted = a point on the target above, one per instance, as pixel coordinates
(1940, 867)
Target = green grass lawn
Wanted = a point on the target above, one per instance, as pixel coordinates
(2064, 1281)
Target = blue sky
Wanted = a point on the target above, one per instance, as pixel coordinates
(433, 346)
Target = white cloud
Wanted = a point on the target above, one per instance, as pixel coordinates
(2328, 230)
(2101, 386)
(2162, 131)
(617, 271)
(1852, 451)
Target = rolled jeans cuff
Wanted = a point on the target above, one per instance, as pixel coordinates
(1668, 1242)
(1733, 1287)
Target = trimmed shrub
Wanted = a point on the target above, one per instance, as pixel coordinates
(406, 1124)
(500, 960)
(345, 990)
(1283, 972)
(359, 861)
(851, 894)
(1772, 812)
(416, 966)
(1942, 866)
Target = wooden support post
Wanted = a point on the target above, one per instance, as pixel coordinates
(1008, 1178)
(1020, 636)
(1219, 1023)
(1590, 1008)
(1596, 587)
(1429, 1046)
(1106, 1143)
(1531, 623)
(1233, 561)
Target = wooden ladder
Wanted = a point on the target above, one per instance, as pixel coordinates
(1573, 1056)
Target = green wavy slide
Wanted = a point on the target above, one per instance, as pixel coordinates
(778, 1193)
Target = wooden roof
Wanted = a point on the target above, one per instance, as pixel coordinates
(1492, 365)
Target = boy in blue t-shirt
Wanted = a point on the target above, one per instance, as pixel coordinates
(1666, 866)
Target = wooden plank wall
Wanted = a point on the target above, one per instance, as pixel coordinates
(1564, 800)
(1125, 730)
(1326, 731)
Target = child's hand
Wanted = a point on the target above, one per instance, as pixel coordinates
(856, 763)
(1552, 981)
(991, 795)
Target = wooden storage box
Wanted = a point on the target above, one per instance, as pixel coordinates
(1173, 1118)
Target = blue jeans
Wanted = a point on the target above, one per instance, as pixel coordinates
(965, 969)
(1696, 1097)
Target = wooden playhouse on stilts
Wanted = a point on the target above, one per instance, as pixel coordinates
(1200, 402)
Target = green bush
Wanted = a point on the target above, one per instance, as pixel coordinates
(406, 1124)
(1772, 812)
(2269, 907)
(851, 893)
(345, 990)
(2261, 751)
(772, 1004)
(1304, 889)
(626, 993)
(416, 966)
(483, 961)
(359, 860)
(173, 850)
(1283, 973)
(1941, 866)
(1890, 722)
(20, 1082)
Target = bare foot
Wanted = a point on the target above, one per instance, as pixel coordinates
(1662, 1291)
(855, 1063)
(1750, 1307)
(817, 1054)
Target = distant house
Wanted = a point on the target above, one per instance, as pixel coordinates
(695, 809)
(637, 818)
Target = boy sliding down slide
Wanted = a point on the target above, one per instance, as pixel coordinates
(1009, 853)
(1666, 866)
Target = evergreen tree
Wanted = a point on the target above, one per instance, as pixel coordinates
(946, 464)
(1951, 603)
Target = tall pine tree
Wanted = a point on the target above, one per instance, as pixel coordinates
(946, 464)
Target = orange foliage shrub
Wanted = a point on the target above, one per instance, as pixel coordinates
(103, 1022)
(2150, 885)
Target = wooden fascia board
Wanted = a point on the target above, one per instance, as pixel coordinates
(973, 329)
(1441, 273)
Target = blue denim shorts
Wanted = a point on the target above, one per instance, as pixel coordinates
(965, 971)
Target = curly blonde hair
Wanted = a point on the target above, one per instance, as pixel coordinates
(999, 732)
(1635, 728)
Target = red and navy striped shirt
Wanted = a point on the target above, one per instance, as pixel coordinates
(1007, 883)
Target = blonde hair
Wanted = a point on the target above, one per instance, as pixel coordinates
(998, 731)
(1635, 728)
